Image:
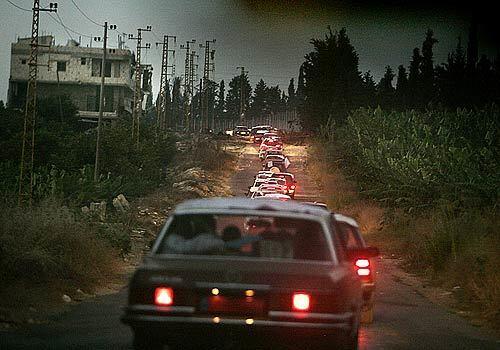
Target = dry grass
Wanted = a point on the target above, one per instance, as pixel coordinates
(47, 243)
(341, 192)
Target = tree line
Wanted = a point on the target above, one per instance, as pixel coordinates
(260, 101)
(332, 84)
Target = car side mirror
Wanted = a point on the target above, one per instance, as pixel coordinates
(366, 252)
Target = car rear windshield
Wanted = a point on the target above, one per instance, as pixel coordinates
(260, 237)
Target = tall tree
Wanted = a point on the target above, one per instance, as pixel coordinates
(414, 79)
(221, 100)
(472, 48)
(427, 68)
(452, 86)
(291, 94)
(401, 88)
(259, 104)
(333, 83)
(233, 97)
(274, 99)
(177, 103)
(370, 89)
(385, 90)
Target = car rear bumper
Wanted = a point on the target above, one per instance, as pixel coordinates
(281, 325)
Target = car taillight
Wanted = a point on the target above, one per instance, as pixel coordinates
(363, 267)
(292, 187)
(301, 301)
(164, 296)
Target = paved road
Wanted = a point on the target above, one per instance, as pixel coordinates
(403, 318)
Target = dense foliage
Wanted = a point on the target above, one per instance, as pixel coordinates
(65, 153)
(415, 158)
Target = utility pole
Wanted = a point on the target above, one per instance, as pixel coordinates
(101, 98)
(137, 111)
(242, 97)
(193, 76)
(161, 118)
(187, 82)
(207, 68)
(28, 147)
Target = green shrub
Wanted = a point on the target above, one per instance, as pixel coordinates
(421, 159)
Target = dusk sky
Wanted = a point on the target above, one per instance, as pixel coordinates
(269, 41)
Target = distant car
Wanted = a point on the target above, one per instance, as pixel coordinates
(276, 163)
(272, 134)
(270, 151)
(275, 196)
(290, 181)
(231, 270)
(264, 174)
(272, 188)
(279, 183)
(351, 238)
(257, 133)
(241, 131)
(270, 142)
(257, 183)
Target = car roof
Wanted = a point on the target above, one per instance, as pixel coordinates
(348, 220)
(241, 203)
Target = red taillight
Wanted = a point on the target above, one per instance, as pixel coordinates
(301, 301)
(164, 296)
(362, 263)
(364, 272)
(292, 187)
(363, 267)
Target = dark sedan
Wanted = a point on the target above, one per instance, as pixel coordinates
(248, 272)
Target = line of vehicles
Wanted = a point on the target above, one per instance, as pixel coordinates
(273, 181)
(236, 273)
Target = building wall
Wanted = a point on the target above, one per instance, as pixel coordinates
(74, 71)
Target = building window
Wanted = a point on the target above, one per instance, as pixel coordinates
(23, 61)
(107, 69)
(83, 61)
(117, 69)
(96, 68)
(61, 66)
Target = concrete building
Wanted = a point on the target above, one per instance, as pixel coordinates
(74, 71)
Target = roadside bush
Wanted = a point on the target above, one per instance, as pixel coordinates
(116, 235)
(64, 158)
(439, 176)
(457, 249)
(48, 242)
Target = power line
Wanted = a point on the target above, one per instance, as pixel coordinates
(60, 22)
(19, 7)
(85, 15)
(65, 29)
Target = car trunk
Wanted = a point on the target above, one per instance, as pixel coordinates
(250, 287)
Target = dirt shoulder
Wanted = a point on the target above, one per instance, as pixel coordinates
(341, 195)
(27, 303)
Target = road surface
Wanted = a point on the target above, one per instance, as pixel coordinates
(403, 318)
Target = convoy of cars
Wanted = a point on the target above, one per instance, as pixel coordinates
(260, 270)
